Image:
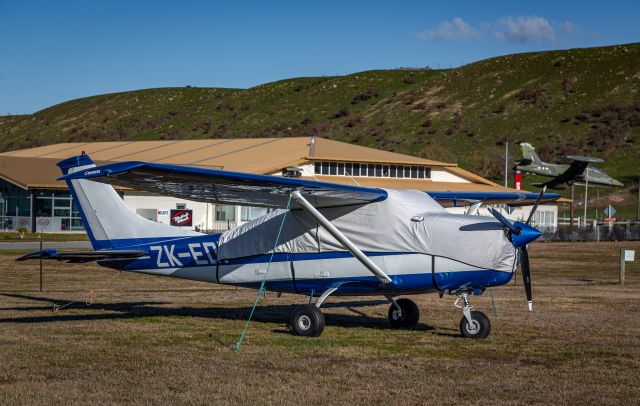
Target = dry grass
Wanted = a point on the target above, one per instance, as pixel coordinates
(152, 340)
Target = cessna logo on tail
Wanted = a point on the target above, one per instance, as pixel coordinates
(87, 173)
(181, 218)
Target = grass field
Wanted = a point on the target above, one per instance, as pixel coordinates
(151, 340)
(46, 237)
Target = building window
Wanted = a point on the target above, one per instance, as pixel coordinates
(44, 206)
(55, 205)
(372, 170)
(348, 169)
(181, 206)
(544, 219)
(225, 212)
(251, 213)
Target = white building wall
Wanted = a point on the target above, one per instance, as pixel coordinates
(442, 175)
(548, 213)
(203, 213)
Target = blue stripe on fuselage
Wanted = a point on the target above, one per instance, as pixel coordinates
(402, 284)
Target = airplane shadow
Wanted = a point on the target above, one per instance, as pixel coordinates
(128, 310)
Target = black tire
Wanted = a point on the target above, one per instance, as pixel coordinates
(307, 321)
(480, 329)
(409, 317)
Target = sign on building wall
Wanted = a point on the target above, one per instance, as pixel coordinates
(182, 218)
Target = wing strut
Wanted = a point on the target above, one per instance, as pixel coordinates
(337, 234)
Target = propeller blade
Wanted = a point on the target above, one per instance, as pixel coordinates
(535, 205)
(514, 230)
(526, 275)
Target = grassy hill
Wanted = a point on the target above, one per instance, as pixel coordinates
(564, 102)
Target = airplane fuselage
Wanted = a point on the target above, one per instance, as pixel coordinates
(195, 258)
(595, 176)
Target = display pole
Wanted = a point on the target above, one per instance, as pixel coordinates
(571, 214)
(40, 263)
(621, 276)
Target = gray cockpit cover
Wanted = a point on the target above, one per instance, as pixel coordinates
(384, 226)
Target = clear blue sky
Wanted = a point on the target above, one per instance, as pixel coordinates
(53, 51)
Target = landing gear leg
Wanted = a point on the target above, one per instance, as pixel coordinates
(403, 313)
(474, 324)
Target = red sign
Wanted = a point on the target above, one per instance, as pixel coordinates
(518, 180)
(181, 218)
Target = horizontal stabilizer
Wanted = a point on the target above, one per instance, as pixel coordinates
(78, 257)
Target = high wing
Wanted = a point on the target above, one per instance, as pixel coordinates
(79, 257)
(217, 186)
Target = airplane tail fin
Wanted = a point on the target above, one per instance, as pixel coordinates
(529, 152)
(109, 222)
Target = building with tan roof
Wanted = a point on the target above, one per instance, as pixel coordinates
(32, 197)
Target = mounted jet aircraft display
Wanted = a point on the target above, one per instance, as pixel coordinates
(322, 238)
(578, 172)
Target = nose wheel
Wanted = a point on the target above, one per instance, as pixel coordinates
(474, 324)
(480, 326)
(403, 313)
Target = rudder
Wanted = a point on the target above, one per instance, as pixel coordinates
(529, 152)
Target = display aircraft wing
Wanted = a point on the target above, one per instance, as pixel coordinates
(218, 186)
(83, 256)
(576, 168)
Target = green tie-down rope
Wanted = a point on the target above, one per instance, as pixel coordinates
(264, 279)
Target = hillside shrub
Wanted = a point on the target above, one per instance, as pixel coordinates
(530, 95)
(343, 112)
(361, 97)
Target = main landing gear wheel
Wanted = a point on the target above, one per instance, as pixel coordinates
(307, 321)
(480, 326)
(406, 316)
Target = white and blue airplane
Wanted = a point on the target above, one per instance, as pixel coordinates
(322, 238)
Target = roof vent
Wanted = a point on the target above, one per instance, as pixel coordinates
(312, 146)
(292, 172)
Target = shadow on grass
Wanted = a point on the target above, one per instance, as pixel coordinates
(129, 310)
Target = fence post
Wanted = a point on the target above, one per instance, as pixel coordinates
(621, 276)
(627, 230)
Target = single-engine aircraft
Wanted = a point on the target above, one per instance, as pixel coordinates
(578, 172)
(321, 239)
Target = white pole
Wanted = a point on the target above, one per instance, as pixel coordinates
(586, 190)
(506, 163)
